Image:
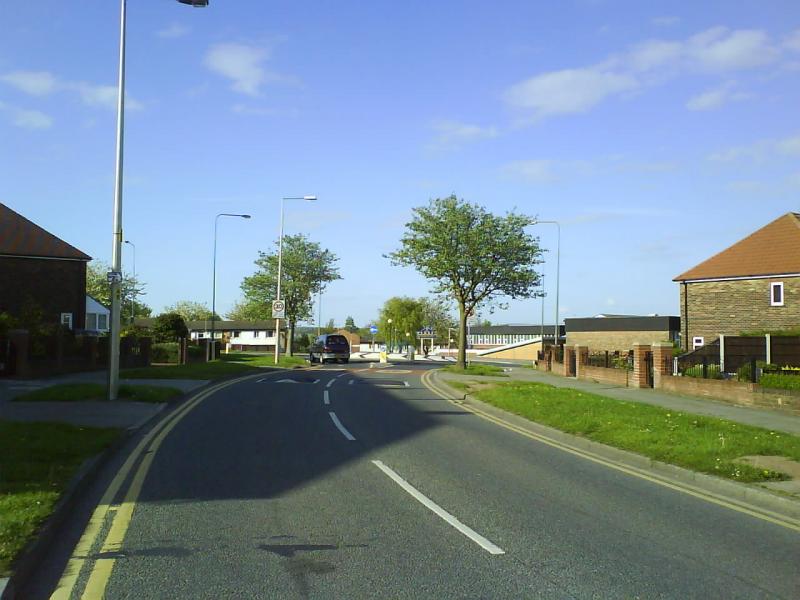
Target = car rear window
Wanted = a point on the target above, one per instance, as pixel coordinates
(337, 339)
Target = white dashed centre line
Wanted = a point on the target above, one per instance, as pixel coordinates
(326, 398)
(439, 511)
(330, 383)
(341, 427)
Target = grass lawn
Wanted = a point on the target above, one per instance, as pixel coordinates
(476, 369)
(75, 392)
(237, 363)
(37, 461)
(704, 444)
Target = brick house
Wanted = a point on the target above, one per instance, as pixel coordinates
(37, 269)
(754, 285)
(614, 333)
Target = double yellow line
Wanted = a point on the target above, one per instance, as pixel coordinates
(120, 514)
(757, 512)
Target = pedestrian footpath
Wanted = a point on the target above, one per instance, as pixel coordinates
(758, 417)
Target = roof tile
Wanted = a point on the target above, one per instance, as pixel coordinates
(772, 250)
(21, 237)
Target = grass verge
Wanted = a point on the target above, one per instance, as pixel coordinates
(476, 369)
(76, 392)
(37, 460)
(704, 444)
(238, 363)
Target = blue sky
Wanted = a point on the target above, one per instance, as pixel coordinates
(656, 133)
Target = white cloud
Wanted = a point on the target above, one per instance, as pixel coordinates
(568, 91)
(262, 111)
(790, 146)
(759, 151)
(104, 96)
(532, 171)
(35, 83)
(32, 119)
(792, 41)
(665, 21)
(242, 64)
(715, 98)
(719, 49)
(451, 134)
(577, 90)
(27, 119)
(654, 54)
(175, 30)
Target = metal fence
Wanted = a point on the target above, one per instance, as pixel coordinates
(612, 360)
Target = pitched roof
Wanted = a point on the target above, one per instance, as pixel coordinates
(21, 237)
(772, 250)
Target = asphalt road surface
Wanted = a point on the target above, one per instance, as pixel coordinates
(358, 482)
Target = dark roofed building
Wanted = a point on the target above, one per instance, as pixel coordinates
(753, 285)
(40, 270)
(620, 332)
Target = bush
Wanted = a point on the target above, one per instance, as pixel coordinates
(743, 372)
(164, 352)
(169, 327)
(697, 371)
(781, 382)
(194, 352)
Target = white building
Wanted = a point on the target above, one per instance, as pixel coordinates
(98, 316)
(254, 336)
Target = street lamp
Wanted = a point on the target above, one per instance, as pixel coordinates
(213, 354)
(389, 345)
(558, 275)
(115, 276)
(133, 295)
(280, 262)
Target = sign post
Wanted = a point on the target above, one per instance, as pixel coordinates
(373, 329)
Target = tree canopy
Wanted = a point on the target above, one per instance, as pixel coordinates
(191, 310)
(306, 269)
(130, 289)
(169, 327)
(471, 255)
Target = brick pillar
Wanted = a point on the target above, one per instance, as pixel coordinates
(639, 379)
(569, 354)
(581, 359)
(662, 362)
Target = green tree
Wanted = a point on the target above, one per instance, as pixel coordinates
(407, 316)
(436, 314)
(471, 255)
(131, 289)
(306, 270)
(329, 327)
(249, 311)
(350, 325)
(169, 327)
(191, 310)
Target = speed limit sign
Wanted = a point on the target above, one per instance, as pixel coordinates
(278, 309)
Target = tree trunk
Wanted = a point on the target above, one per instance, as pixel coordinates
(462, 337)
(290, 341)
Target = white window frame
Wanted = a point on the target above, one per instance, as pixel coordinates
(772, 286)
(698, 342)
(102, 326)
(91, 321)
(66, 319)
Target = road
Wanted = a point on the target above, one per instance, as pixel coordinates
(358, 482)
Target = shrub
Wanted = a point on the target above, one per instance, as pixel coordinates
(743, 372)
(164, 352)
(195, 351)
(778, 381)
(169, 327)
(697, 371)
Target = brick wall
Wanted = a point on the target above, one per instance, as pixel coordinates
(603, 375)
(613, 341)
(56, 286)
(731, 307)
(732, 392)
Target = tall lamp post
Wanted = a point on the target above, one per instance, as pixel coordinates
(280, 264)
(558, 275)
(213, 354)
(133, 295)
(115, 276)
